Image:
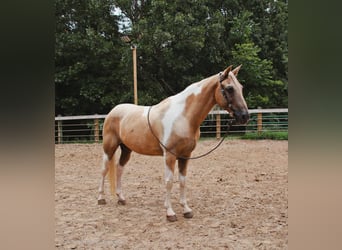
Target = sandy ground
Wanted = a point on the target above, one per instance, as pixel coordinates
(238, 194)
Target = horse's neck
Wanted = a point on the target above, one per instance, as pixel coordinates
(199, 104)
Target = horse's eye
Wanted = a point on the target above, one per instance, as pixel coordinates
(230, 89)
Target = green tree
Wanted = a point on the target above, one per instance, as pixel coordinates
(172, 34)
(179, 42)
(260, 88)
(184, 41)
(272, 19)
(88, 61)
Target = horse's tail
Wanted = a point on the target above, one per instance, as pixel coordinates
(112, 174)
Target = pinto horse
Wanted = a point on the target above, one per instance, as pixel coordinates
(169, 129)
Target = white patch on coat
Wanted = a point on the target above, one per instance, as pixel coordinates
(105, 157)
(181, 178)
(169, 183)
(175, 110)
(146, 108)
(183, 201)
(168, 174)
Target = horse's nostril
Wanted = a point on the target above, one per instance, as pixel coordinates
(245, 116)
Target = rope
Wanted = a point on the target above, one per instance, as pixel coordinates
(181, 157)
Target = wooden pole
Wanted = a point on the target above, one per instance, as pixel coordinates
(96, 129)
(218, 126)
(60, 131)
(259, 121)
(134, 49)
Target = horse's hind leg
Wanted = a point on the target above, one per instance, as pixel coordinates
(109, 147)
(124, 157)
(101, 200)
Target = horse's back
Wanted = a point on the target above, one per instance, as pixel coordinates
(121, 110)
(119, 115)
(128, 123)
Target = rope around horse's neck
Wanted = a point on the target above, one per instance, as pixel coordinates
(181, 157)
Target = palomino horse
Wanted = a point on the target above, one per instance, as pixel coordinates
(170, 129)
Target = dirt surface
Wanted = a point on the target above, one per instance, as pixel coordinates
(238, 195)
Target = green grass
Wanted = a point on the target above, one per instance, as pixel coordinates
(266, 135)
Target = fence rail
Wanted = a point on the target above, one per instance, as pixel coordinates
(88, 128)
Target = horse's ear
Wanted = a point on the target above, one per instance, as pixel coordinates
(227, 70)
(236, 70)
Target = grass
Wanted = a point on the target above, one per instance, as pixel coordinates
(266, 135)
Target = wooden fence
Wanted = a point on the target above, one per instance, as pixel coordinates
(88, 128)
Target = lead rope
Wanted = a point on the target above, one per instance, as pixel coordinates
(181, 157)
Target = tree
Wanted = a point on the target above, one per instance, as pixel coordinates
(185, 41)
(179, 42)
(260, 88)
(87, 56)
(170, 41)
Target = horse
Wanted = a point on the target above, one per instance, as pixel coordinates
(169, 129)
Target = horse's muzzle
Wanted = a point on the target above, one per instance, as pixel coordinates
(241, 117)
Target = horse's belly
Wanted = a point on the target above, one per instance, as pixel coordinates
(137, 137)
(142, 146)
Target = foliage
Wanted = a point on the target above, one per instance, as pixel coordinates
(87, 57)
(256, 74)
(178, 43)
(270, 135)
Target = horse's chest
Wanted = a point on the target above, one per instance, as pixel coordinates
(176, 128)
(175, 123)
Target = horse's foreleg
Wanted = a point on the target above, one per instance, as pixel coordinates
(182, 165)
(169, 170)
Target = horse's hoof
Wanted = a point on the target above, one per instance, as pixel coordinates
(122, 202)
(101, 202)
(171, 218)
(188, 215)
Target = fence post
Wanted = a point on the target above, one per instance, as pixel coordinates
(259, 121)
(96, 129)
(60, 130)
(218, 125)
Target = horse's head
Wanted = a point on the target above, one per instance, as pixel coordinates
(229, 95)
